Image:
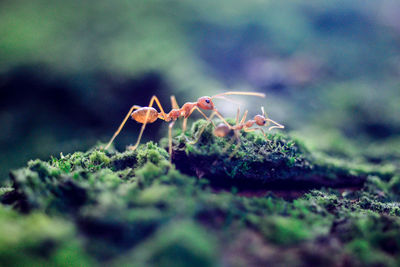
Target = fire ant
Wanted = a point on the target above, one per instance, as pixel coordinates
(223, 129)
(149, 114)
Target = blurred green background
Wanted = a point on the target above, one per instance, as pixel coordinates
(70, 70)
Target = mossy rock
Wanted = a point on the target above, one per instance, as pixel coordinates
(276, 161)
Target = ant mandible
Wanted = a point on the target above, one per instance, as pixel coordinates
(149, 114)
(224, 129)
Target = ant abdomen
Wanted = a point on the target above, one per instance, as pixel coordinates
(140, 115)
(222, 130)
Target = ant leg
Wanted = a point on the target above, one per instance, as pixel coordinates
(222, 118)
(170, 140)
(247, 130)
(184, 124)
(174, 103)
(152, 100)
(237, 116)
(202, 113)
(239, 143)
(244, 117)
(237, 134)
(122, 125)
(228, 145)
(202, 130)
(277, 125)
(141, 132)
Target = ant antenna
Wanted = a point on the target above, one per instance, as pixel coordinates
(263, 112)
(228, 99)
(222, 96)
(239, 93)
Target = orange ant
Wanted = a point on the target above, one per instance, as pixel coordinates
(149, 114)
(224, 129)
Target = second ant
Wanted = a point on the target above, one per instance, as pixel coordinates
(223, 129)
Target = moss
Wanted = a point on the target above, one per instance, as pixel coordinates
(373, 239)
(272, 161)
(180, 243)
(99, 158)
(151, 153)
(394, 185)
(5, 190)
(367, 255)
(155, 194)
(37, 240)
(285, 231)
(135, 208)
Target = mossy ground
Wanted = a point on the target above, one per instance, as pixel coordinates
(134, 208)
(277, 161)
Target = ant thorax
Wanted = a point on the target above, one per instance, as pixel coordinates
(173, 114)
(186, 108)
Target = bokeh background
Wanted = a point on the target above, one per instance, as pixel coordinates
(70, 70)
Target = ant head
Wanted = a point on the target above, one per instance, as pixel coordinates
(260, 120)
(205, 102)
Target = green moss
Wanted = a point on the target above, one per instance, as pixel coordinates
(151, 153)
(147, 174)
(99, 158)
(135, 208)
(394, 185)
(37, 240)
(155, 194)
(5, 190)
(367, 255)
(259, 160)
(285, 231)
(177, 244)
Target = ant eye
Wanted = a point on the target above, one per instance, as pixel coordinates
(208, 101)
